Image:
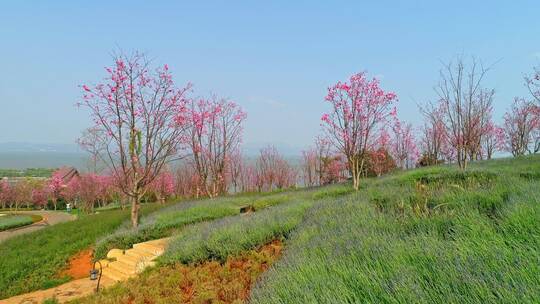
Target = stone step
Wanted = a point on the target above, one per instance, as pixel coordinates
(114, 274)
(123, 267)
(140, 254)
(150, 248)
(114, 253)
(131, 260)
(139, 264)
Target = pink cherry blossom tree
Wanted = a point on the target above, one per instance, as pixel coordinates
(466, 107)
(359, 109)
(379, 159)
(286, 175)
(215, 135)
(248, 177)
(55, 185)
(22, 193)
(334, 169)
(320, 165)
(6, 193)
(89, 191)
(72, 191)
(163, 186)
(493, 140)
(520, 123)
(310, 167)
(434, 138)
(403, 145)
(39, 197)
(331, 166)
(142, 116)
(236, 168)
(273, 171)
(187, 181)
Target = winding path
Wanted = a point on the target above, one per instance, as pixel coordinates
(49, 218)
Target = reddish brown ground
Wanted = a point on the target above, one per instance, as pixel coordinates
(79, 265)
(209, 282)
(213, 282)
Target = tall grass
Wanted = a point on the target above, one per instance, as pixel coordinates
(165, 222)
(232, 235)
(434, 235)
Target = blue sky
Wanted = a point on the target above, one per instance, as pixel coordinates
(275, 59)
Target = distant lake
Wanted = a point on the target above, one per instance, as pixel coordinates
(79, 160)
(22, 160)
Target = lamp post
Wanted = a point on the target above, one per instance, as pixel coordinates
(94, 274)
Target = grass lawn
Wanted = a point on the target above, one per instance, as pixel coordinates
(10, 221)
(31, 261)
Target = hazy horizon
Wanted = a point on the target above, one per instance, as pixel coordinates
(15, 155)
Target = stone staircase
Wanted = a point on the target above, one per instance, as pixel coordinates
(126, 264)
(129, 263)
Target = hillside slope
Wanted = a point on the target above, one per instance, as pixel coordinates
(432, 235)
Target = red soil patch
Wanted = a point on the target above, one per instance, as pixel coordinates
(79, 265)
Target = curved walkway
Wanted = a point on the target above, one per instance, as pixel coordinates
(49, 218)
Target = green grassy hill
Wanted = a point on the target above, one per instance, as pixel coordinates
(432, 235)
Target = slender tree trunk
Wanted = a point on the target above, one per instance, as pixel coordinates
(135, 210)
(356, 170)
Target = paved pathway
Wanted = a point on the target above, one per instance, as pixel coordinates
(128, 263)
(63, 293)
(49, 218)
